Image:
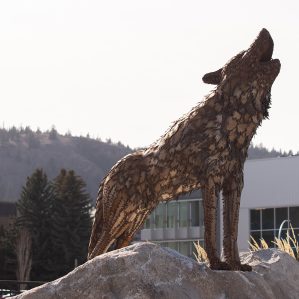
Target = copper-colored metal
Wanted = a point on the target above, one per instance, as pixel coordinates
(206, 149)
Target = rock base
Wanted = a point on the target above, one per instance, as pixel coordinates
(147, 271)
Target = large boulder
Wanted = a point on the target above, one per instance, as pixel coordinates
(146, 270)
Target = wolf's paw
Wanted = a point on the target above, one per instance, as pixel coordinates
(240, 267)
(245, 268)
(220, 266)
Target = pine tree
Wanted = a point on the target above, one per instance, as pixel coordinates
(71, 221)
(34, 214)
(8, 262)
(53, 134)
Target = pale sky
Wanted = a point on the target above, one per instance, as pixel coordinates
(126, 69)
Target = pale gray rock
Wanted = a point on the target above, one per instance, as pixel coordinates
(146, 270)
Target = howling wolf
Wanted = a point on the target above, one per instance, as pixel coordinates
(206, 149)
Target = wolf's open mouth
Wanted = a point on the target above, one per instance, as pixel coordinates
(267, 55)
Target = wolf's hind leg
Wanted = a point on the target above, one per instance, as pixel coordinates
(102, 245)
(126, 238)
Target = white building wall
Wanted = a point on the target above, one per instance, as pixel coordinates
(272, 182)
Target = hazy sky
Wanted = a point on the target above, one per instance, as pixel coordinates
(127, 69)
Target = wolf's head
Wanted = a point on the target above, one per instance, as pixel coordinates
(251, 73)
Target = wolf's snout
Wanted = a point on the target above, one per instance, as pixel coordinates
(265, 43)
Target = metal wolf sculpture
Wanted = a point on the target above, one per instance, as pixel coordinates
(206, 149)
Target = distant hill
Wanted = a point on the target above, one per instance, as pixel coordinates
(22, 151)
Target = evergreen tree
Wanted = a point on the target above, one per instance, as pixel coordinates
(71, 221)
(8, 261)
(53, 134)
(34, 214)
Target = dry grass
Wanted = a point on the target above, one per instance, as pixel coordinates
(200, 255)
(289, 244)
(254, 246)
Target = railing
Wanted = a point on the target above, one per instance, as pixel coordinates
(10, 288)
(281, 226)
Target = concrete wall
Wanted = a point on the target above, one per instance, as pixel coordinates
(272, 182)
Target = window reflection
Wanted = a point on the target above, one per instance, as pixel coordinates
(183, 214)
(147, 223)
(281, 214)
(256, 236)
(296, 232)
(201, 214)
(255, 219)
(159, 216)
(152, 220)
(171, 214)
(184, 248)
(294, 216)
(173, 245)
(268, 218)
(194, 206)
(268, 236)
(265, 223)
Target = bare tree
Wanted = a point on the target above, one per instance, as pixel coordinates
(24, 257)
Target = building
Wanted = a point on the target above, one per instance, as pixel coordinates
(7, 213)
(270, 196)
(177, 224)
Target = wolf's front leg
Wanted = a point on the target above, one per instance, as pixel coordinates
(210, 220)
(231, 205)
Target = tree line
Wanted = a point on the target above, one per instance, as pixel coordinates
(50, 234)
(14, 134)
(22, 150)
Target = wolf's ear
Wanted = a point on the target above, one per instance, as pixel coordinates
(213, 77)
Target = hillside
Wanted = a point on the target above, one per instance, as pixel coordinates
(22, 151)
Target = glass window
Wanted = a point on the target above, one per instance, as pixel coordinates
(183, 214)
(255, 219)
(147, 223)
(194, 205)
(159, 216)
(171, 214)
(256, 236)
(184, 248)
(296, 232)
(268, 236)
(281, 214)
(164, 244)
(173, 245)
(201, 214)
(150, 221)
(294, 216)
(269, 229)
(283, 233)
(268, 218)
